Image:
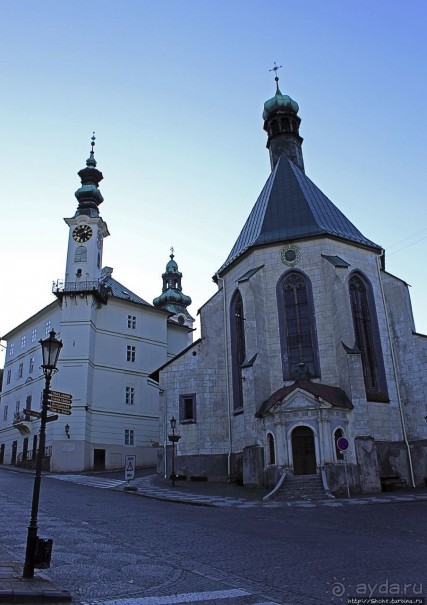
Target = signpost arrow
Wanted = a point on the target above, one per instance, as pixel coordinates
(59, 410)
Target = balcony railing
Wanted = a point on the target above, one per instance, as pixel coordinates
(21, 417)
(81, 287)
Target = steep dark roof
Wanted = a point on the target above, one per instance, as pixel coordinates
(333, 395)
(120, 291)
(291, 207)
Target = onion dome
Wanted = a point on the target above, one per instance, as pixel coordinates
(88, 195)
(172, 298)
(279, 102)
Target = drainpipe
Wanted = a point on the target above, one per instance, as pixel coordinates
(227, 373)
(393, 359)
(156, 385)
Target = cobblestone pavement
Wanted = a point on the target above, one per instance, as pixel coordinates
(115, 548)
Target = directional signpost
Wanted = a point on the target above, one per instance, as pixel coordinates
(60, 403)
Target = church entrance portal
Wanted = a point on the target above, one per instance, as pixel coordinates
(303, 451)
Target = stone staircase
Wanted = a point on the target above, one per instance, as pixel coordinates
(302, 487)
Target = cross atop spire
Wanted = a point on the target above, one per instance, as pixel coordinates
(91, 159)
(275, 69)
(172, 252)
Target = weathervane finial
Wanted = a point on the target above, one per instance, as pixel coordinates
(172, 251)
(93, 138)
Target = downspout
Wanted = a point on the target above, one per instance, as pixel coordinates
(393, 359)
(156, 385)
(227, 373)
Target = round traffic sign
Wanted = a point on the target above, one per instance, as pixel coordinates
(342, 444)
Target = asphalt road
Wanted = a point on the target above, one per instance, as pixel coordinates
(112, 547)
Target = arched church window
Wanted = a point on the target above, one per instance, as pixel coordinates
(338, 453)
(271, 450)
(367, 337)
(297, 326)
(80, 255)
(238, 346)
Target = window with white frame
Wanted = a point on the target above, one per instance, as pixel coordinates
(132, 322)
(130, 353)
(23, 341)
(129, 437)
(48, 327)
(11, 348)
(130, 395)
(20, 370)
(5, 411)
(31, 368)
(8, 375)
(34, 335)
(17, 407)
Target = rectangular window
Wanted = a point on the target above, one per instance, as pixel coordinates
(130, 354)
(130, 395)
(31, 368)
(9, 373)
(6, 409)
(132, 322)
(187, 408)
(20, 370)
(23, 341)
(11, 347)
(17, 407)
(48, 327)
(129, 437)
(34, 335)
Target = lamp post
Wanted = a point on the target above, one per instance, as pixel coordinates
(51, 348)
(174, 439)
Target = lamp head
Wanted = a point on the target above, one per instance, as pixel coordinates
(173, 423)
(51, 348)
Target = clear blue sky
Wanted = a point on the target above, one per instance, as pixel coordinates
(175, 92)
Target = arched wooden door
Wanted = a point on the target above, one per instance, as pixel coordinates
(303, 451)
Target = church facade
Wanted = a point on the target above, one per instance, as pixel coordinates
(112, 340)
(308, 361)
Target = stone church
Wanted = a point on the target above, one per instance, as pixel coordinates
(308, 361)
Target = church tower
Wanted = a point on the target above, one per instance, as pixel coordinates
(281, 123)
(87, 232)
(172, 298)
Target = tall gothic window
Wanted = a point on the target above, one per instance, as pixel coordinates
(297, 326)
(367, 338)
(238, 347)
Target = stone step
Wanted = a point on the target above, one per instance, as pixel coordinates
(302, 487)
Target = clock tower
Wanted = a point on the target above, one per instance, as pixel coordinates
(87, 233)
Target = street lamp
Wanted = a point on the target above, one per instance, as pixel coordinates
(51, 348)
(174, 439)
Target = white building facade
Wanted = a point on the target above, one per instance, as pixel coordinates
(112, 340)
